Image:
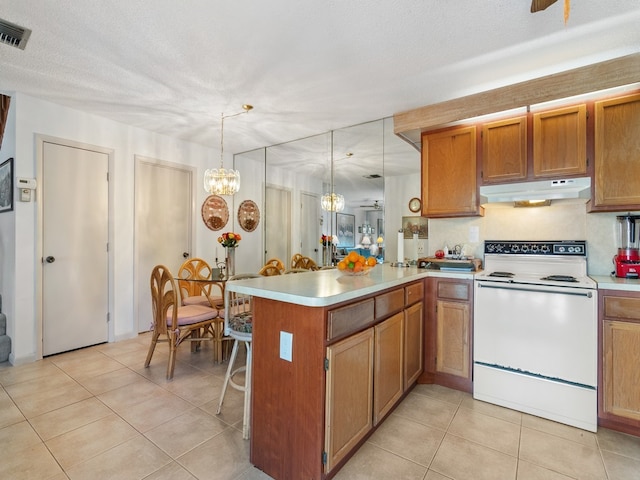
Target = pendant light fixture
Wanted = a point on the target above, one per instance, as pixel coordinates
(332, 202)
(220, 181)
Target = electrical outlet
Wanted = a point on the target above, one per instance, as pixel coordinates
(420, 249)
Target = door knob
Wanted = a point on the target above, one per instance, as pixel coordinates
(185, 254)
(50, 259)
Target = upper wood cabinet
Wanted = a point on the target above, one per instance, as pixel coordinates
(617, 154)
(449, 185)
(560, 142)
(557, 146)
(504, 150)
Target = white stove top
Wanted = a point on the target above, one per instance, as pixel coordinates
(533, 262)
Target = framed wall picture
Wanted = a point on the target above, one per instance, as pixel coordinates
(346, 229)
(6, 186)
(419, 225)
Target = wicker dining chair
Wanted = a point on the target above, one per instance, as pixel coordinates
(176, 322)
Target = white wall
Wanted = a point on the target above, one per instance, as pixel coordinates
(34, 116)
(7, 228)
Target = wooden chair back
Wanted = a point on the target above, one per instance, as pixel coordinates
(306, 263)
(276, 262)
(269, 270)
(195, 269)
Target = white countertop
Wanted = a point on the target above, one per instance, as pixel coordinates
(327, 287)
(607, 282)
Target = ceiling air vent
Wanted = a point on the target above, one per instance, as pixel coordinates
(13, 34)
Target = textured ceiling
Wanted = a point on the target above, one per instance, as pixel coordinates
(308, 66)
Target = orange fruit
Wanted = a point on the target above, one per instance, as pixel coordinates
(362, 260)
(353, 256)
(371, 261)
(342, 265)
(357, 267)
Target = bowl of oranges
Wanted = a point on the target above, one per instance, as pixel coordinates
(356, 264)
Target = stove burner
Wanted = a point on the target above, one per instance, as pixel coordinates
(501, 274)
(560, 278)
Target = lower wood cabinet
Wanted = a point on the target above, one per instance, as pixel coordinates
(349, 402)
(619, 392)
(351, 365)
(448, 333)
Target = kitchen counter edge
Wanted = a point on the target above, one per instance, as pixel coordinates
(607, 282)
(330, 287)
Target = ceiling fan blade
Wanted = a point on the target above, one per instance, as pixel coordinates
(538, 5)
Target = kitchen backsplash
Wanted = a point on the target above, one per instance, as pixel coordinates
(565, 220)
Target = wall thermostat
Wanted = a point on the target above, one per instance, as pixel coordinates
(25, 185)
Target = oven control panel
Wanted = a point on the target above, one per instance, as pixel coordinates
(536, 247)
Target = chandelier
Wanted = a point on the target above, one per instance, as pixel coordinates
(221, 181)
(332, 202)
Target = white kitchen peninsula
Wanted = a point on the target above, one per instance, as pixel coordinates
(332, 356)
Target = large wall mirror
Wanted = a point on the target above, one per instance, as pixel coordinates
(367, 164)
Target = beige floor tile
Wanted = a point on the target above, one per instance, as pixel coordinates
(133, 460)
(185, 432)
(110, 381)
(560, 430)
(486, 430)
(171, 471)
(529, 471)
(464, 460)
(51, 399)
(561, 455)
(17, 437)
(427, 410)
(439, 392)
(136, 392)
(56, 379)
(232, 408)
(620, 467)
(196, 389)
(88, 366)
(154, 411)
(619, 443)
(492, 410)
(224, 457)
(373, 463)
(69, 418)
(9, 413)
(86, 442)
(10, 375)
(431, 475)
(254, 474)
(157, 371)
(34, 462)
(136, 358)
(408, 439)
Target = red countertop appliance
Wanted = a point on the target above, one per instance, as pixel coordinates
(627, 261)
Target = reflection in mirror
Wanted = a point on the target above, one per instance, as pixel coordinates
(296, 173)
(368, 164)
(358, 174)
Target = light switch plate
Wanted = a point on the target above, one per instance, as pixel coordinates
(286, 346)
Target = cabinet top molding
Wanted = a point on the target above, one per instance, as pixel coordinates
(598, 76)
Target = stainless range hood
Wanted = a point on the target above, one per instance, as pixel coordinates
(539, 190)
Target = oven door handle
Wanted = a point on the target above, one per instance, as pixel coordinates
(525, 289)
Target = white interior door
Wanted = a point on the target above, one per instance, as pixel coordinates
(163, 224)
(310, 227)
(75, 273)
(278, 224)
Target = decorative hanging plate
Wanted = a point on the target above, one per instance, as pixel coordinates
(215, 213)
(248, 215)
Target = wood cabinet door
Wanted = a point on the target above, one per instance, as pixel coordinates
(413, 343)
(621, 372)
(617, 147)
(388, 383)
(349, 395)
(452, 338)
(560, 142)
(449, 186)
(504, 150)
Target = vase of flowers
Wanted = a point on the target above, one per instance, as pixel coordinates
(230, 241)
(327, 242)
